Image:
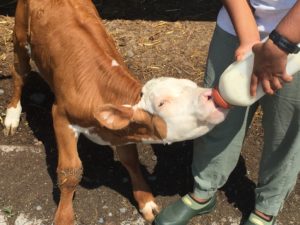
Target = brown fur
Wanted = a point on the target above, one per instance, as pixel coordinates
(74, 55)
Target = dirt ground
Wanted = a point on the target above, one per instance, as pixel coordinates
(156, 38)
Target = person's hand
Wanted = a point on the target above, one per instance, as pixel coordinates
(269, 68)
(241, 51)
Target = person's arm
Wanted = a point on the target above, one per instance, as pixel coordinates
(244, 24)
(270, 60)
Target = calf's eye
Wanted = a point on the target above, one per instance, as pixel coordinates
(161, 104)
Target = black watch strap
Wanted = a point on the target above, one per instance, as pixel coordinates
(283, 43)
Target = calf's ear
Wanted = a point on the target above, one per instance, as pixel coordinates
(114, 117)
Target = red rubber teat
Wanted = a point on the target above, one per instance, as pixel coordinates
(219, 100)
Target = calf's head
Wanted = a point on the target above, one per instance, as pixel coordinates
(169, 110)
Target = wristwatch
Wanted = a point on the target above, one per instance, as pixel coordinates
(283, 43)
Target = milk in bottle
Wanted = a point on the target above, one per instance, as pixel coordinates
(234, 84)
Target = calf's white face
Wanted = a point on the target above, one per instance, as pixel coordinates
(187, 109)
(170, 110)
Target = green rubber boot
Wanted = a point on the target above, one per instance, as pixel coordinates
(181, 211)
(257, 220)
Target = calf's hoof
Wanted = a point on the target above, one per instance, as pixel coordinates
(12, 120)
(149, 211)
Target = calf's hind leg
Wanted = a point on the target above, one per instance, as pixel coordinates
(128, 156)
(20, 68)
(69, 169)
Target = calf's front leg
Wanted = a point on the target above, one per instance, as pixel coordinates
(128, 156)
(20, 68)
(69, 169)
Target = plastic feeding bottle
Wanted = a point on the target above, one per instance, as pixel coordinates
(234, 85)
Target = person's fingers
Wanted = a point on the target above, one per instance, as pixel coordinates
(276, 83)
(239, 57)
(286, 78)
(266, 85)
(253, 85)
(256, 47)
(239, 54)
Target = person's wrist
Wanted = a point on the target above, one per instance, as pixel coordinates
(269, 44)
(250, 38)
(283, 43)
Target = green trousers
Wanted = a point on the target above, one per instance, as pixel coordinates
(216, 154)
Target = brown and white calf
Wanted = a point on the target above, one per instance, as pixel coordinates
(97, 96)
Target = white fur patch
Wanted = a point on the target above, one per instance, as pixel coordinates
(87, 132)
(12, 118)
(186, 109)
(114, 63)
(75, 130)
(28, 48)
(149, 206)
